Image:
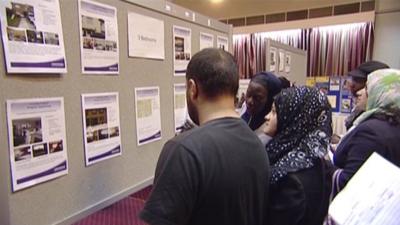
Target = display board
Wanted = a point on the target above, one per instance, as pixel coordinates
(287, 61)
(86, 189)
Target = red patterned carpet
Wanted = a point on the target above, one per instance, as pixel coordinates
(124, 212)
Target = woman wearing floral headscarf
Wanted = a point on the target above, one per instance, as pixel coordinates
(376, 130)
(300, 124)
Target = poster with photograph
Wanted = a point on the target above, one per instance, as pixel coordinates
(288, 60)
(32, 36)
(101, 126)
(346, 98)
(146, 36)
(334, 83)
(182, 41)
(281, 60)
(179, 106)
(206, 40)
(99, 38)
(334, 92)
(148, 117)
(37, 140)
(222, 43)
(272, 59)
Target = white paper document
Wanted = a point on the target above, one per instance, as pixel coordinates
(179, 106)
(146, 36)
(206, 40)
(37, 140)
(32, 36)
(182, 45)
(148, 117)
(222, 43)
(371, 197)
(101, 126)
(99, 38)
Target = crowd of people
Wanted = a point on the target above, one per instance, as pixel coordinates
(271, 164)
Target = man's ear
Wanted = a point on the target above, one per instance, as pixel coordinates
(193, 89)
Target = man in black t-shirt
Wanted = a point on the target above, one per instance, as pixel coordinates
(217, 173)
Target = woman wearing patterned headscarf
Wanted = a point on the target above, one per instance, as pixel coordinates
(300, 124)
(376, 130)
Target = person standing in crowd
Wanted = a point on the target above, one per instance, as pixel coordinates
(358, 78)
(216, 173)
(300, 124)
(259, 98)
(375, 130)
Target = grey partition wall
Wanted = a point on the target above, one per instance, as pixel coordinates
(84, 190)
(298, 61)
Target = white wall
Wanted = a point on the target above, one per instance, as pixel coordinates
(387, 38)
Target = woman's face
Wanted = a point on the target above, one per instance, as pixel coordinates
(256, 98)
(271, 122)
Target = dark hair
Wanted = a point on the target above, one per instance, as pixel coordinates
(285, 83)
(215, 71)
(271, 83)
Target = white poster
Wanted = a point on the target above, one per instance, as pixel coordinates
(371, 196)
(37, 140)
(148, 117)
(146, 36)
(101, 126)
(288, 61)
(179, 106)
(281, 61)
(272, 59)
(182, 38)
(206, 40)
(32, 36)
(99, 38)
(222, 43)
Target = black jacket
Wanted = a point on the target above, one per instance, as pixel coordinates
(300, 198)
(372, 135)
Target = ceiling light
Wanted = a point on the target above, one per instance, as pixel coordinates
(216, 1)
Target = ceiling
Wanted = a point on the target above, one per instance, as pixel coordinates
(240, 8)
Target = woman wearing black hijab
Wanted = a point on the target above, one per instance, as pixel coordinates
(259, 98)
(300, 124)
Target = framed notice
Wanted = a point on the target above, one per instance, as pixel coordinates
(281, 60)
(206, 40)
(180, 108)
(148, 116)
(101, 126)
(146, 36)
(32, 36)
(272, 59)
(99, 38)
(37, 140)
(222, 43)
(288, 62)
(182, 39)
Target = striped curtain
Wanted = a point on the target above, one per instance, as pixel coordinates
(331, 50)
